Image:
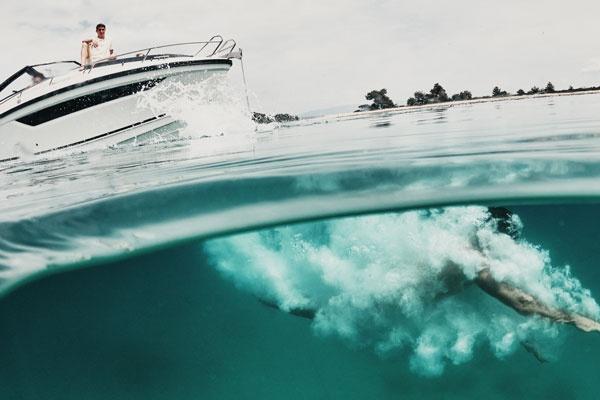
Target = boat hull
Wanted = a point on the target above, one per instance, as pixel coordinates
(106, 109)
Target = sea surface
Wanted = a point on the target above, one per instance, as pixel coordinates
(308, 260)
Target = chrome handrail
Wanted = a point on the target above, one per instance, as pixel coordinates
(210, 40)
(227, 46)
(220, 48)
(13, 94)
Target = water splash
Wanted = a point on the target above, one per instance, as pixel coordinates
(376, 282)
(206, 105)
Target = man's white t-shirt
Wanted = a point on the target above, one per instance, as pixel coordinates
(103, 49)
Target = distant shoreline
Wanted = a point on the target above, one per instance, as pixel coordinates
(448, 104)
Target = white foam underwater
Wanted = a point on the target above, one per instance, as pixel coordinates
(375, 282)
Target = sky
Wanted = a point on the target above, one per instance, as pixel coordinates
(304, 55)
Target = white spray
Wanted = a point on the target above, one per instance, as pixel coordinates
(209, 105)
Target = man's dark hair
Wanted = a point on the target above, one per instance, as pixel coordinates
(100, 26)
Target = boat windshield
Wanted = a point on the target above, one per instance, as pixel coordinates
(31, 75)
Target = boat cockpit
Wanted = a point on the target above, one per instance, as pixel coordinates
(32, 75)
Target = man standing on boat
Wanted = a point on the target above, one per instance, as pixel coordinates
(96, 49)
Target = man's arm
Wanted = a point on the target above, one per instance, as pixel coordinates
(526, 304)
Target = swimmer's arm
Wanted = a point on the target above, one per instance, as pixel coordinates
(526, 304)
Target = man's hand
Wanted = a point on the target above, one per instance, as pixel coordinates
(90, 41)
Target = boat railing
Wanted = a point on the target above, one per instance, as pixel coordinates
(214, 47)
(226, 48)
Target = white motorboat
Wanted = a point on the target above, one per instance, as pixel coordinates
(58, 105)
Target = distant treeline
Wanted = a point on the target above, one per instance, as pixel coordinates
(261, 118)
(438, 94)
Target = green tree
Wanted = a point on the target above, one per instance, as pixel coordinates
(285, 117)
(420, 98)
(496, 92)
(261, 118)
(520, 92)
(549, 88)
(438, 93)
(464, 95)
(380, 99)
(534, 90)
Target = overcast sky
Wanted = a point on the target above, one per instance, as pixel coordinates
(304, 55)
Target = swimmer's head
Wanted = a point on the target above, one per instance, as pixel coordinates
(505, 221)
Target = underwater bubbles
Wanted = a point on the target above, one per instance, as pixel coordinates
(411, 283)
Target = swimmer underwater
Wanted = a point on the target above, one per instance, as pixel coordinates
(435, 286)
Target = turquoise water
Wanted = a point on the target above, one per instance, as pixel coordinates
(173, 270)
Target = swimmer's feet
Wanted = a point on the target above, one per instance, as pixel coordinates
(585, 324)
